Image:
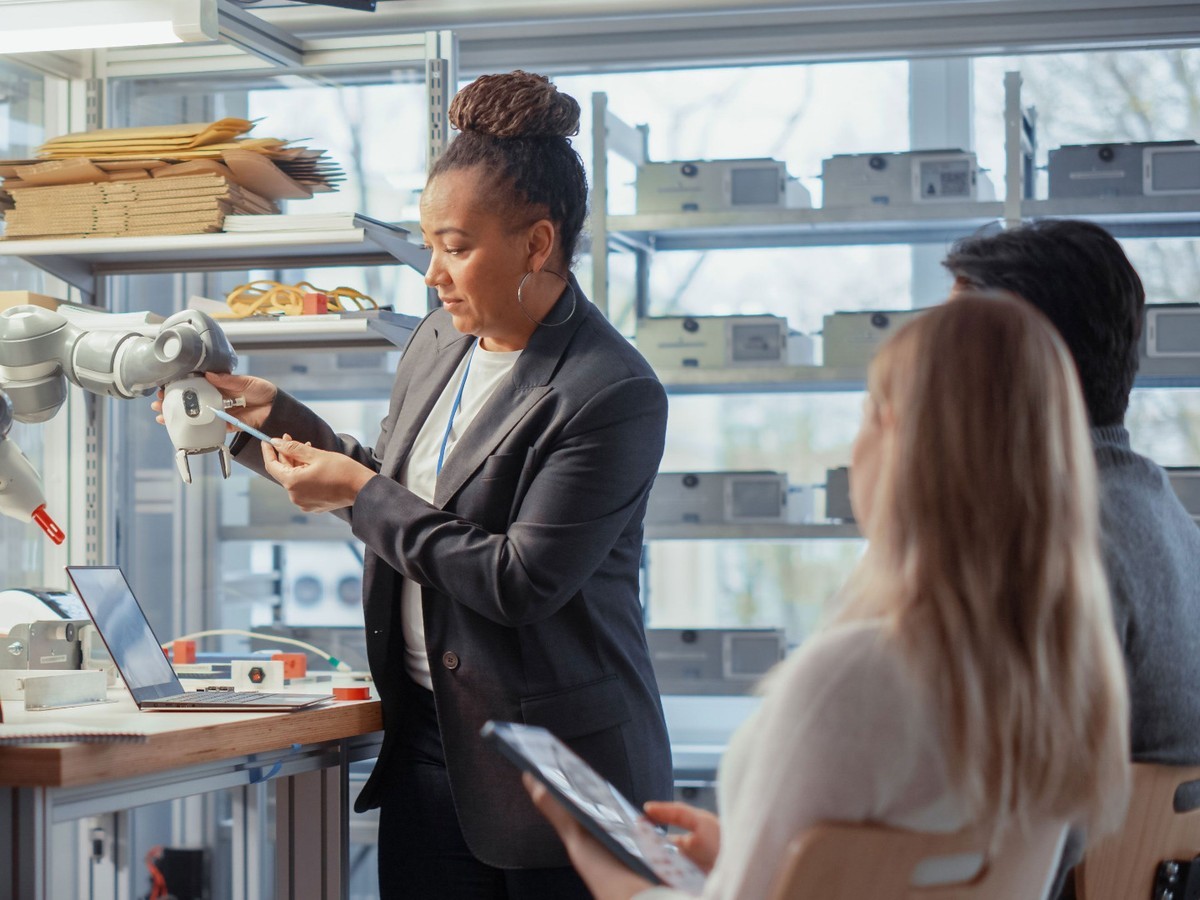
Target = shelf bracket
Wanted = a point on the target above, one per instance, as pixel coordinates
(72, 270)
(1014, 181)
(397, 332)
(253, 35)
(599, 202)
(395, 242)
(441, 80)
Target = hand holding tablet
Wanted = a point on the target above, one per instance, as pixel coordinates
(596, 805)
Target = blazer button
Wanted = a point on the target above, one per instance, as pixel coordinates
(450, 659)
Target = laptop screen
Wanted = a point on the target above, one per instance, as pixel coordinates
(126, 632)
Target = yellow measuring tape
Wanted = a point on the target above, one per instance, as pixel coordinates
(270, 298)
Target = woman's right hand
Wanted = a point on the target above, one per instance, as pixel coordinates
(258, 392)
(703, 840)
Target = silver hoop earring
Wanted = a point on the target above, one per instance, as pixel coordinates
(521, 301)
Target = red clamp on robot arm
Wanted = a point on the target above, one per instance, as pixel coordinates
(20, 485)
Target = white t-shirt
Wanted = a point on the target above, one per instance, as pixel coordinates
(488, 368)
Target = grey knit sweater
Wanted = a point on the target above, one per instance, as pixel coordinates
(1152, 555)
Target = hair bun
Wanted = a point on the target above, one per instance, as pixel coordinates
(517, 104)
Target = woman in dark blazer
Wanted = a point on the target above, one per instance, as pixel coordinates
(512, 506)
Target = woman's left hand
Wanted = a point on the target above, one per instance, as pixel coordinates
(606, 876)
(316, 480)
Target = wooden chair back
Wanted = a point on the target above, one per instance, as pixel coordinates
(849, 862)
(1122, 866)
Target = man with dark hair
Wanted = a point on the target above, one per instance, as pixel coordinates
(1078, 275)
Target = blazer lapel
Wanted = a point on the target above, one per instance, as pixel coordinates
(433, 372)
(498, 417)
(530, 381)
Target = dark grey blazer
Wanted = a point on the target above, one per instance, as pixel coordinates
(528, 560)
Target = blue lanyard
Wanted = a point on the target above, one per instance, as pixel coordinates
(457, 403)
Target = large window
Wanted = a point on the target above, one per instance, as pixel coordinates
(22, 106)
(234, 554)
(1102, 98)
(800, 115)
(374, 131)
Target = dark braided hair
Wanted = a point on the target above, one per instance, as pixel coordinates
(515, 128)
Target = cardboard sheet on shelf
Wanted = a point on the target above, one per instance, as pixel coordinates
(82, 219)
(129, 175)
(247, 169)
(261, 145)
(193, 134)
(61, 171)
(199, 167)
(109, 165)
(156, 204)
(200, 183)
(78, 170)
(263, 177)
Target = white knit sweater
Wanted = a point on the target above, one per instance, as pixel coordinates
(844, 733)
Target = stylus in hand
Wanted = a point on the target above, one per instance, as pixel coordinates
(239, 424)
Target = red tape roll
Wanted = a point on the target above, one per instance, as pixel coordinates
(351, 693)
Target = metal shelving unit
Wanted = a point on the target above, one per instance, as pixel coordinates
(822, 380)
(85, 262)
(763, 380)
(753, 532)
(333, 531)
(647, 234)
(739, 230)
(1162, 216)
(88, 263)
(381, 329)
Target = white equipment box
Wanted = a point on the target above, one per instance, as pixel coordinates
(903, 179)
(713, 660)
(1135, 169)
(1185, 481)
(837, 495)
(718, 185)
(1171, 168)
(851, 338)
(727, 498)
(1173, 331)
(50, 688)
(1095, 170)
(717, 342)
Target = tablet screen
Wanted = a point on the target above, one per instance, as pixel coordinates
(596, 804)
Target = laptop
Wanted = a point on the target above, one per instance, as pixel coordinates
(139, 658)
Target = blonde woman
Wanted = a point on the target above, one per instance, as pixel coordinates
(971, 673)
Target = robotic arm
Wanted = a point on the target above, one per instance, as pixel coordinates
(41, 350)
(20, 485)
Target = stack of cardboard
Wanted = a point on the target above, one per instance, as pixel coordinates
(181, 179)
(188, 205)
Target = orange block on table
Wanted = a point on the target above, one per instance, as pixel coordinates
(295, 665)
(183, 652)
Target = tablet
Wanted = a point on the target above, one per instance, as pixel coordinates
(596, 805)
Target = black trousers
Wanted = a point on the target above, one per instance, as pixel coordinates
(422, 852)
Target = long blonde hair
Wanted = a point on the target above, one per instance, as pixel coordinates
(984, 558)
